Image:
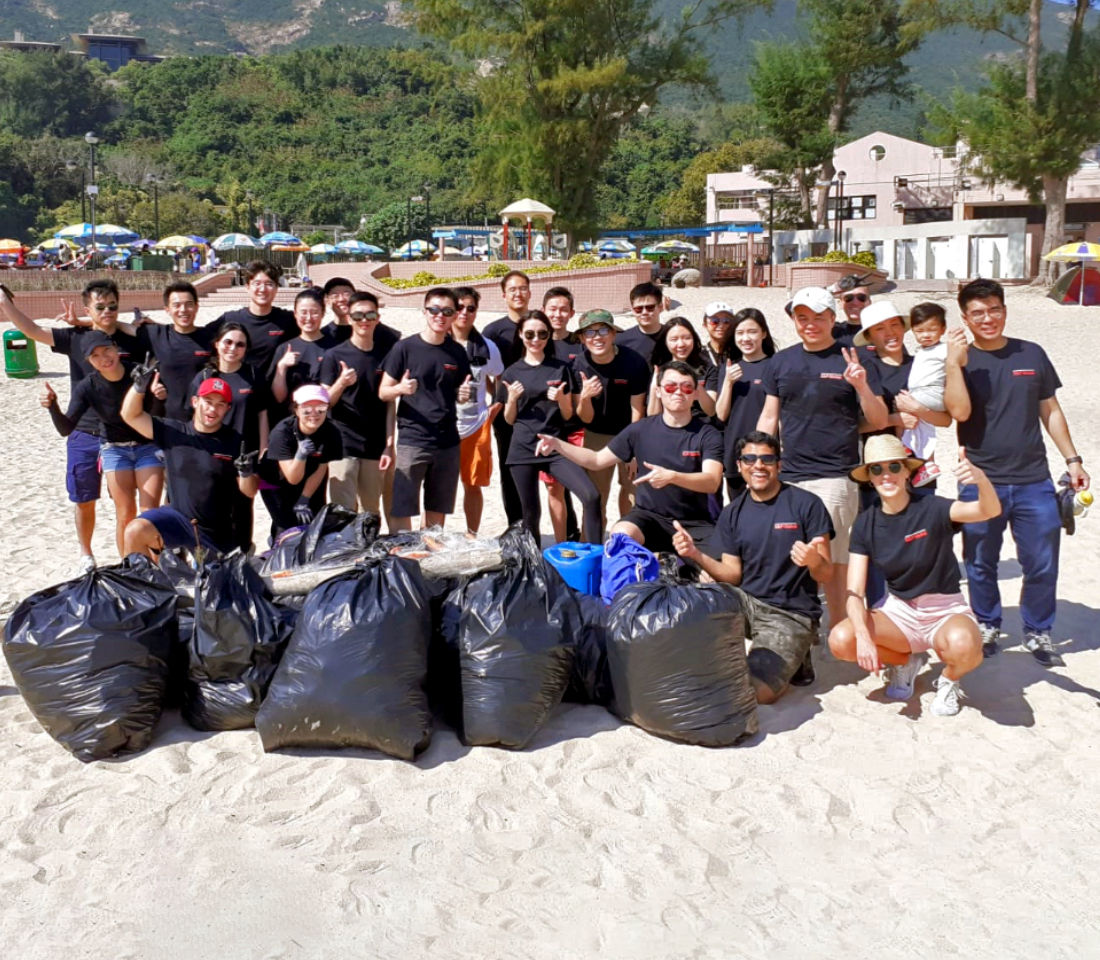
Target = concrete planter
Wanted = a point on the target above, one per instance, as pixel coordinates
(801, 275)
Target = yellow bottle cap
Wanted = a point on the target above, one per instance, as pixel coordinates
(1085, 496)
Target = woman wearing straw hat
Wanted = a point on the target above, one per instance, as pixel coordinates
(909, 538)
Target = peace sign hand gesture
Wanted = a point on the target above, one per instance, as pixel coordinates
(854, 373)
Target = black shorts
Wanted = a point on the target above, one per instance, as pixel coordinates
(657, 531)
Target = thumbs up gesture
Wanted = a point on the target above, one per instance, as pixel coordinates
(466, 389)
(408, 384)
(590, 387)
(47, 397)
(288, 359)
(802, 554)
(683, 543)
(347, 376)
(965, 471)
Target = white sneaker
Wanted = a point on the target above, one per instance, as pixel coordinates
(87, 564)
(948, 695)
(900, 679)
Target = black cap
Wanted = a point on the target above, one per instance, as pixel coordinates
(337, 282)
(93, 339)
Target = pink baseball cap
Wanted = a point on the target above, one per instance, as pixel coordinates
(311, 393)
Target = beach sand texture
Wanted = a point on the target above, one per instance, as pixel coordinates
(849, 827)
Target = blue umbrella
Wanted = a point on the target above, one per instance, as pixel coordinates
(414, 248)
(115, 234)
(357, 246)
(322, 248)
(229, 240)
(77, 231)
(279, 237)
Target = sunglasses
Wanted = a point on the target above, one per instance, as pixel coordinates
(858, 297)
(536, 335)
(687, 389)
(768, 459)
(234, 344)
(315, 408)
(468, 307)
(644, 307)
(878, 469)
(446, 311)
(364, 316)
(591, 333)
(719, 321)
(105, 307)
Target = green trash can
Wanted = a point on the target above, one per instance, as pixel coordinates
(20, 356)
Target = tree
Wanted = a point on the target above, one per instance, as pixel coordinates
(54, 94)
(560, 79)
(687, 204)
(389, 227)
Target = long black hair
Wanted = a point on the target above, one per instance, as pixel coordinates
(227, 327)
(733, 352)
(661, 354)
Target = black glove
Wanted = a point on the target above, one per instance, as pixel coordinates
(246, 463)
(142, 374)
(306, 449)
(303, 513)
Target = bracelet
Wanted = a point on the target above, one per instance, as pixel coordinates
(1072, 460)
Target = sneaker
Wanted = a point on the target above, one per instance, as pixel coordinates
(990, 634)
(948, 695)
(87, 564)
(926, 474)
(804, 675)
(900, 679)
(1038, 642)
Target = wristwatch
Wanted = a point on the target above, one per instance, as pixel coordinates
(1072, 460)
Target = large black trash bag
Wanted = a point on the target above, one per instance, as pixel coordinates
(590, 681)
(676, 655)
(353, 673)
(336, 535)
(178, 567)
(234, 648)
(515, 646)
(90, 657)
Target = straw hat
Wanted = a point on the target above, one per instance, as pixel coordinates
(882, 448)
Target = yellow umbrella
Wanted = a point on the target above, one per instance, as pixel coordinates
(56, 243)
(176, 242)
(1072, 252)
(11, 246)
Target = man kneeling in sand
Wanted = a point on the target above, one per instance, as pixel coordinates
(774, 543)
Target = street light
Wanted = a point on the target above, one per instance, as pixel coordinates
(840, 175)
(153, 179)
(92, 190)
(770, 192)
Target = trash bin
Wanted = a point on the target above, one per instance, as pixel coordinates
(152, 261)
(578, 563)
(20, 355)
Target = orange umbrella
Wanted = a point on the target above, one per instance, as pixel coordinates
(12, 246)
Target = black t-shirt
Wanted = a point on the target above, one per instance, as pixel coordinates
(535, 412)
(1003, 435)
(640, 342)
(893, 380)
(201, 475)
(179, 357)
(625, 376)
(66, 341)
(567, 349)
(762, 533)
(844, 332)
(283, 444)
(266, 333)
(337, 332)
(359, 415)
(747, 403)
(504, 332)
(251, 396)
(683, 449)
(819, 411)
(912, 548)
(104, 398)
(311, 353)
(428, 419)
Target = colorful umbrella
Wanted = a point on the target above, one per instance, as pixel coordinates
(323, 248)
(11, 246)
(1082, 252)
(412, 249)
(675, 246)
(177, 241)
(114, 234)
(298, 247)
(279, 236)
(56, 244)
(229, 240)
(357, 246)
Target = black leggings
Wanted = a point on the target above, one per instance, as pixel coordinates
(574, 478)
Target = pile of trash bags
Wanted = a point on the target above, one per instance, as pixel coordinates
(391, 636)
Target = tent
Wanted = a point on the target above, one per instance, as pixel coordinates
(1078, 285)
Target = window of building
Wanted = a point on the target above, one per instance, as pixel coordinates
(877, 152)
(927, 215)
(854, 207)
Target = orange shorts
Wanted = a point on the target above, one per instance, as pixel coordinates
(577, 439)
(476, 457)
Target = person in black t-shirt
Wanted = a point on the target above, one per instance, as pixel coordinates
(539, 402)
(557, 304)
(718, 326)
(853, 295)
(298, 361)
(679, 341)
(646, 302)
(910, 539)
(679, 462)
(206, 463)
(133, 466)
(1002, 393)
(773, 541)
(429, 372)
(267, 325)
(338, 293)
(296, 463)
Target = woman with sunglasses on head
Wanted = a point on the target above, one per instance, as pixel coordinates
(538, 392)
(680, 343)
(299, 360)
(910, 540)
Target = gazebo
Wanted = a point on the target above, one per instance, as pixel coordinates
(529, 210)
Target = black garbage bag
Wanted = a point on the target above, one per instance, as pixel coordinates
(589, 681)
(353, 673)
(90, 657)
(234, 648)
(178, 567)
(515, 648)
(336, 535)
(676, 655)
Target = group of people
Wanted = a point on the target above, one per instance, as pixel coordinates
(743, 459)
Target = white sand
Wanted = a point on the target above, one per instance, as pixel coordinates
(850, 827)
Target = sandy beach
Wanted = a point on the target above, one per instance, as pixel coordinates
(848, 827)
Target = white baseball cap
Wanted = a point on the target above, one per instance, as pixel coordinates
(817, 299)
(716, 307)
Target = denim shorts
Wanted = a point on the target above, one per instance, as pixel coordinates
(125, 456)
(82, 467)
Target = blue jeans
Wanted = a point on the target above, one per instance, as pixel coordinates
(1031, 510)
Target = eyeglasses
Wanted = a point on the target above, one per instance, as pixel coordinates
(996, 313)
(234, 345)
(591, 333)
(105, 307)
(644, 307)
(687, 389)
(467, 307)
(523, 289)
(768, 459)
(262, 284)
(877, 469)
(364, 316)
(858, 297)
(536, 335)
(719, 321)
(436, 311)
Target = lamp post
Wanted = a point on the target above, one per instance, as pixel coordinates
(154, 180)
(92, 190)
(840, 176)
(770, 193)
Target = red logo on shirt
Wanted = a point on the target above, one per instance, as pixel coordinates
(202, 353)
(1023, 373)
(450, 366)
(274, 333)
(223, 456)
(620, 382)
(758, 381)
(832, 376)
(919, 535)
(693, 453)
(244, 391)
(786, 526)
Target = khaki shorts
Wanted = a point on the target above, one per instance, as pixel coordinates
(475, 467)
(356, 484)
(841, 498)
(602, 478)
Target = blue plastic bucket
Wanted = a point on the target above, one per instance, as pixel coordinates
(578, 563)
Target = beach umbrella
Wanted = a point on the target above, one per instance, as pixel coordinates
(473, 251)
(280, 237)
(323, 248)
(196, 239)
(115, 234)
(357, 246)
(177, 241)
(140, 242)
(56, 243)
(119, 257)
(229, 240)
(298, 247)
(11, 246)
(75, 231)
(675, 246)
(1081, 252)
(412, 249)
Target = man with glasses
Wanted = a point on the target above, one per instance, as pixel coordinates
(1002, 393)
(853, 295)
(430, 373)
(516, 289)
(352, 373)
(82, 475)
(267, 325)
(679, 464)
(773, 540)
(338, 292)
(646, 302)
(613, 382)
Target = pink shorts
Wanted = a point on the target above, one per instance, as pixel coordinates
(920, 618)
